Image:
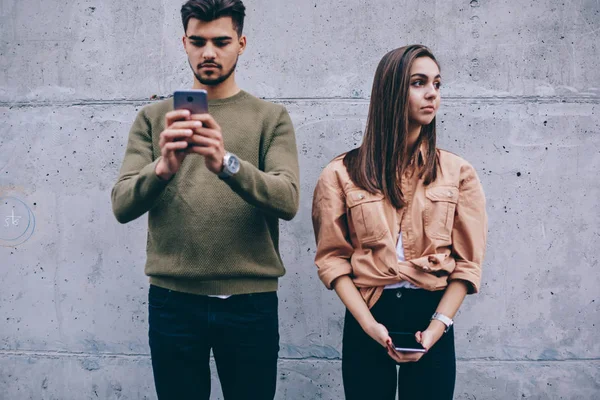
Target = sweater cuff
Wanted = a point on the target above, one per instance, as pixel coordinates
(152, 183)
(237, 179)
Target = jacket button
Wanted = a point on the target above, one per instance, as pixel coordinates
(361, 196)
(449, 194)
(398, 294)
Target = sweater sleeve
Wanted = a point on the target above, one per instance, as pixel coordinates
(276, 189)
(138, 186)
(469, 233)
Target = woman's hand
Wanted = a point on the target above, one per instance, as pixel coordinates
(380, 334)
(431, 335)
(427, 338)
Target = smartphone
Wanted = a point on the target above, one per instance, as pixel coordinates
(195, 100)
(406, 342)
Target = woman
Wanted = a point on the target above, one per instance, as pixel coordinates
(401, 229)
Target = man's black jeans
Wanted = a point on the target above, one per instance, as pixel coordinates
(369, 372)
(242, 331)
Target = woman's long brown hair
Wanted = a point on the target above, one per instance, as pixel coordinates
(382, 158)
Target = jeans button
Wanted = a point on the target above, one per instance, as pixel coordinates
(398, 294)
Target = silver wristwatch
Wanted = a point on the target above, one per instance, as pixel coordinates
(231, 166)
(443, 319)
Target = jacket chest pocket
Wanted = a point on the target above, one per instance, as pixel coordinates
(367, 215)
(440, 206)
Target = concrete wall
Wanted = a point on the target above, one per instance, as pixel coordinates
(520, 101)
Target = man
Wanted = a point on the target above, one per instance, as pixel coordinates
(215, 186)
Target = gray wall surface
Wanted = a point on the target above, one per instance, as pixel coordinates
(521, 102)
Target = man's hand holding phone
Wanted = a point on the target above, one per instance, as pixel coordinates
(190, 129)
(208, 142)
(174, 141)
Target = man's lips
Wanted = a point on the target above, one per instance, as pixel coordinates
(209, 66)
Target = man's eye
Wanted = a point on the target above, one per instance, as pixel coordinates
(221, 44)
(198, 44)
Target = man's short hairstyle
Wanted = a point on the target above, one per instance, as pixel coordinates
(209, 10)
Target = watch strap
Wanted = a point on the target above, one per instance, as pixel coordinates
(443, 319)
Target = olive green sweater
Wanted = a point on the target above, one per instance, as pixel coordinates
(207, 235)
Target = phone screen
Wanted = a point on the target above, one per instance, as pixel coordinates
(405, 341)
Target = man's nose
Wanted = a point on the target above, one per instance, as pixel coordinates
(209, 52)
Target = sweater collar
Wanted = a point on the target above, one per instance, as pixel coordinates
(232, 99)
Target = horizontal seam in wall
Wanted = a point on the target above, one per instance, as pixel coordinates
(57, 354)
(492, 100)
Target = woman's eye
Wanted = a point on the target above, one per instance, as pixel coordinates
(417, 83)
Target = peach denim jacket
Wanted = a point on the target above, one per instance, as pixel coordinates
(443, 225)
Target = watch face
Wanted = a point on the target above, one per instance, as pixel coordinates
(233, 164)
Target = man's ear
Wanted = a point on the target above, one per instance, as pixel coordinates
(184, 42)
(243, 42)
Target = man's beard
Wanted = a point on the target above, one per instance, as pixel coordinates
(214, 81)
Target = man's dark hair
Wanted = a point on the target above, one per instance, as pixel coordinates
(209, 10)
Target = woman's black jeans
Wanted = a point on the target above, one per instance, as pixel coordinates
(368, 371)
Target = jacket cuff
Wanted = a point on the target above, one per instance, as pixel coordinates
(471, 277)
(330, 273)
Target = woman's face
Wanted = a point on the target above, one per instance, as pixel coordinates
(424, 91)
